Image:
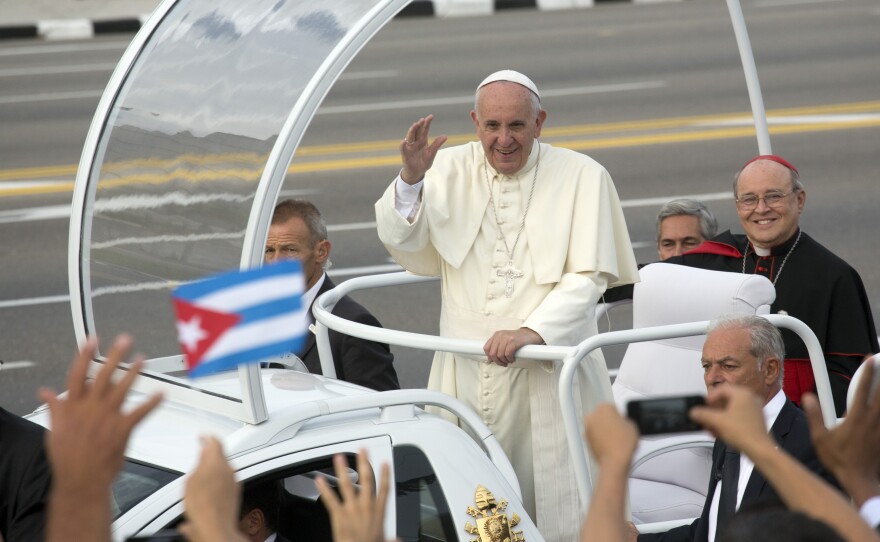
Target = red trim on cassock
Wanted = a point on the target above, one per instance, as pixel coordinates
(860, 356)
(714, 247)
(798, 379)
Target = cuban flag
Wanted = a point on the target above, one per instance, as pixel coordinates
(241, 317)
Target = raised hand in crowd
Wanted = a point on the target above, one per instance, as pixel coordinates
(851, 450)
(86, 445)
(734, 415)
(613, 440)
(212, 498)
(356, 516)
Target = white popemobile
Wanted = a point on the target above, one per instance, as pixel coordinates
(177, 181)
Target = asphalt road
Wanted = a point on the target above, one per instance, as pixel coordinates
(655, 92)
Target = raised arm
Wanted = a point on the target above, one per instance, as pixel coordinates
(86, 445)
(613, 440)
(734, 415)
(851, 450)
(416, 153)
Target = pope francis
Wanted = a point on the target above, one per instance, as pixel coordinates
(525, 237)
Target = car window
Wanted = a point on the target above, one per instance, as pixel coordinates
(303, 516)
(137, 481)
(422, 511)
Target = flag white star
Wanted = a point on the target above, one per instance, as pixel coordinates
(189, 333)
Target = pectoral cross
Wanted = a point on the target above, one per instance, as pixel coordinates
(509, 272)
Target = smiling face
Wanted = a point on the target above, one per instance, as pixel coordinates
(765, 226)
(507, 122)
(678, 234)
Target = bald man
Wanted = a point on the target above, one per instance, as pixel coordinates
(812, 284)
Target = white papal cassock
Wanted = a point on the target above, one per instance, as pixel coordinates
(575, 244)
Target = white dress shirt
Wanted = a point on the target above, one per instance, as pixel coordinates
(870, 511)
(771, 412)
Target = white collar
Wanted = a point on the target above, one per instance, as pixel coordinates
(309, 297)
(761, 251)
(773, 408)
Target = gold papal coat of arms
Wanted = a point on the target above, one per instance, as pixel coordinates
(492, 522)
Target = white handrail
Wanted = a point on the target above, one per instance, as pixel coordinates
(325, 319)
(571, 356)
(566, 380)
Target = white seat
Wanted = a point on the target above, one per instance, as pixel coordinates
(673, 485)
(857, 377)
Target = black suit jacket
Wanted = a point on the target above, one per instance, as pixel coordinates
(24, 479)
(367, 363)
(793, 435)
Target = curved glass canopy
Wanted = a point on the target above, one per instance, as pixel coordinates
(187, 153)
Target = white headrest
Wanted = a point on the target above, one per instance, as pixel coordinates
(675, 294)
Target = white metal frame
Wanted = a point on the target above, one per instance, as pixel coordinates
(571, 356)
(251, 407)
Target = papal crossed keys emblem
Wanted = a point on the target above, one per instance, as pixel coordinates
(492, 522)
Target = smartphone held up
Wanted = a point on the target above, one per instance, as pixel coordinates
(664, 414)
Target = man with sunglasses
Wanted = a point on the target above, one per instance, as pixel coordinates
(812, 284)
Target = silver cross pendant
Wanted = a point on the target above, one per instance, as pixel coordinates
(509, 272)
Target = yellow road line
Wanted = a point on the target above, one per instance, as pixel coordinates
(234, 166)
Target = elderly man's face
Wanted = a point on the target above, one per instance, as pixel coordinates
(678, 234)
(291, 240)
(767, 226)
(727, 359)
(507, 125)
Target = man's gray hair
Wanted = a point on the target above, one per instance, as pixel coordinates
(796, 184)
(309, 214)
(766, 339)
(305, 211)
(689, 207)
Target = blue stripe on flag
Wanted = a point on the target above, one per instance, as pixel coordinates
(194, 290)
(231, 361)
(275, 307)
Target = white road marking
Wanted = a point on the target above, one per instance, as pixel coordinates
(52, 70)
(50, 96)
(795, 120)
(787, 3)
(364, 270)
(468, 99)
(657, 202)
(66, 48)
(15, 303)
(83, 94)
(63, 211)
(51, 212)
(10, 365)
(375, 74)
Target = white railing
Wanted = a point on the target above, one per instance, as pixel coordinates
(570, 356)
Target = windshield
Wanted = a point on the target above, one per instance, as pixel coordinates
(176, 167)
(136, 482)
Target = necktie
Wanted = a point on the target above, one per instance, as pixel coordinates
(729, 482)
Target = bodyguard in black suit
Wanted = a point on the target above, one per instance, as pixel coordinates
(747, 351)
(24, 479)
(298, 232)
(357, 360)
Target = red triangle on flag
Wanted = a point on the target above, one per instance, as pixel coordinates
(198, 328)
